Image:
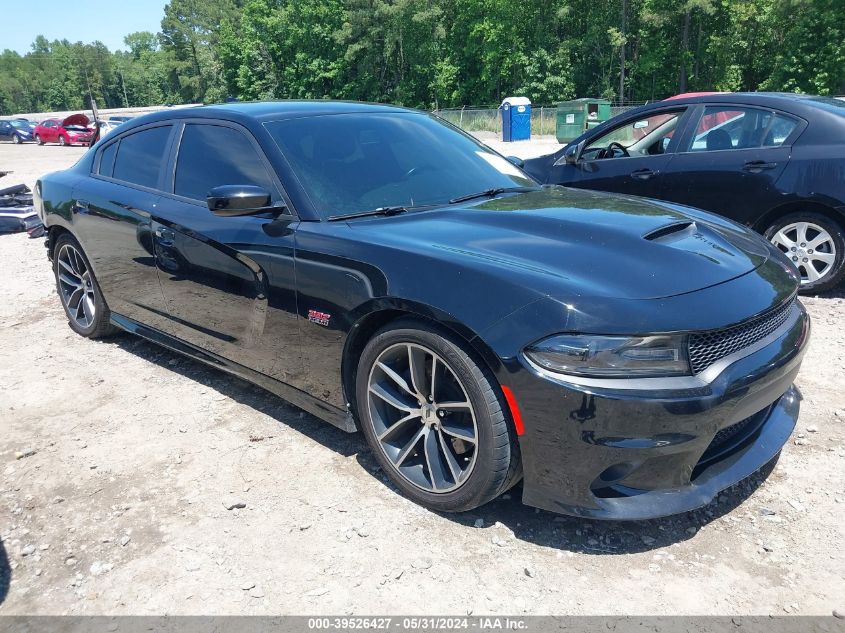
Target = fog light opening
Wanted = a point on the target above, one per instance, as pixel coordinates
(614, 473)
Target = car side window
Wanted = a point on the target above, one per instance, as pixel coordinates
(644, 136)
(780, 129)
(214, 155)
(140, 156)
(735, 127)
(107, 159)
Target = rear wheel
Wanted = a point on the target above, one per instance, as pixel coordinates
(434, 418)
(16, 139)
(62, 141)
(78, 290)
(815, 245)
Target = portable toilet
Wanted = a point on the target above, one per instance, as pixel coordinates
(576, 117)
(516, 119)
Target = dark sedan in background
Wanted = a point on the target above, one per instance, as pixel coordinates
(389, 273)
(771, 161)
(16, 130)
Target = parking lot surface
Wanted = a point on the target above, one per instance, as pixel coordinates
(120, 461)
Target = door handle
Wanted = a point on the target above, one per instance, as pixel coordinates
(81, 205)
(643, 174)
(756, 166)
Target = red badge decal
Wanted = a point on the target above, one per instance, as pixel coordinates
(320, 318)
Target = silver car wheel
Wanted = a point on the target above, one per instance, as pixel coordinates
(422, 418)
(810, 247)
(76, 287)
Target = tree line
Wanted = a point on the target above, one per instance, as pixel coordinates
(440, 53)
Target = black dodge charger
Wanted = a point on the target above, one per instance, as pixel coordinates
(388, 273)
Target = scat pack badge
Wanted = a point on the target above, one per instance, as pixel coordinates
(320, 318)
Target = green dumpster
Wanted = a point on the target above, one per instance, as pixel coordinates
(576, 117)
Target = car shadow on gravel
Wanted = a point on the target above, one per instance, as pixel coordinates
(589, 536)
(243, 392)
(5, 573)
(521, 522)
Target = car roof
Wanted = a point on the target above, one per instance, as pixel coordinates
(263, 111)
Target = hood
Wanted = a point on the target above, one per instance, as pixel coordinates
(76, 119)
(564, 241)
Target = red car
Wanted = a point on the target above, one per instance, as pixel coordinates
(72, 130)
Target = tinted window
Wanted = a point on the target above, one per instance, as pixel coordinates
(140, 156)
(350, 163)
(642, 137)
(213, 155)
(733, 127)
(107, 159)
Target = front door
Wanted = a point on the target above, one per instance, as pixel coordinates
(730, 160)
(630, 158)
(228, 281)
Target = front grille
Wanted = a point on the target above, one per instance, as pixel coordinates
(705, 348)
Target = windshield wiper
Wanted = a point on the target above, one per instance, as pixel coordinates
(365, 214)
(489, 193)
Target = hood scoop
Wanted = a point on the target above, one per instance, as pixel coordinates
(671, 232)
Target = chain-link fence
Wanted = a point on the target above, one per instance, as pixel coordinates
(475, 119)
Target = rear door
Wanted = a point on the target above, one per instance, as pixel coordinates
(114, 221)
(228, 281)
(729, 161)
(629, 158)
(49, 132)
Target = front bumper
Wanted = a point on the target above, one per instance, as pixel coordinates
(618, 453)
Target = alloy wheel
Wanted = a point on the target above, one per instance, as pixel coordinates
(810, 247)
(422, 418)
(62, 140)
(16, 139)
(76, 286)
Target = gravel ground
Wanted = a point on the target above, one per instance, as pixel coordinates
(120, 459)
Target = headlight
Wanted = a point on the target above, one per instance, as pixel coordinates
(612, 356)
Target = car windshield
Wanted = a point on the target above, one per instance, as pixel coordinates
(20, 124)
(353, 163)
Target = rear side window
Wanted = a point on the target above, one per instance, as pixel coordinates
(107, 160)
(214, 155)
(733, 127)
(140, 155)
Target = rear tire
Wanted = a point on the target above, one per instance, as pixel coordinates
(816, 246)
(80, 294)
(466, 452)
(16, 140)
(62, 141)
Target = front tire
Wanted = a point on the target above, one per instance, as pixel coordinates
(816, 246)
(79, 292)
(16, 140)
(434, 418)
(39, 140)
(62, 141)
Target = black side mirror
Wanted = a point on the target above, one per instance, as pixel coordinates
(235, 200)
(571, 154)
(516, 160)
